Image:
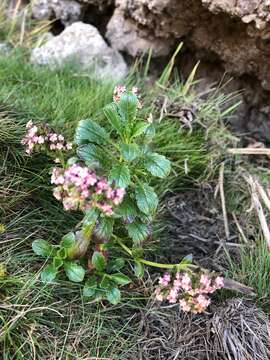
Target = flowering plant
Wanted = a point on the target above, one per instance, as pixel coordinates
(109, 181)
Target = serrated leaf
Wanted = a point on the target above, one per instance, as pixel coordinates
(116, 264)
(68, 240)
(91, 153)
(127, 209)
(90, 287)
(114, 296)
(42, 247)
(130, 151)
(137, 231)
(139, 128)
(120, 175)
(128, 107)
(89, 131)
(146, 198)
(74, 271)
(138, 269)
(113, 117)
(98, 261)
(48, 274)
(157, 165)
(120, 279)
(105, 228)
(90, 217)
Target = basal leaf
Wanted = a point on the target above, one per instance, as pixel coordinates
(68, 240)
(98, 261)
(120, 279)
(42, 247)
(90, 287)
(92, 153)
(74, 271)
(114, 296)
(48, 274)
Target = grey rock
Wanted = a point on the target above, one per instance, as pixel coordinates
(82, 44)
(68, 11)
(4, 49)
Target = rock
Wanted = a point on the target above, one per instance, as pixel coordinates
(4, 49)
(124, 35)
(82, 44)
(235, 35)
(68, 11)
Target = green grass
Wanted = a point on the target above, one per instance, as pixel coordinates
(252, 268)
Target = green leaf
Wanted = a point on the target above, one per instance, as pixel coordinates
(114, 296)
(99, 261)
(128, 107)
(127, 209)
(42, 247)
(91, 153)
(157, 165)
(120, 175)
(90, 217)
(89, 131)
(57, 262)
(139, 128)
(138, 231)
(130, 151)
(74, 271)
(48, 274)
(187, 260)
(113, 117)
(68, 240)
(138, 269)
(105, 228)
(116, 264)
(90, 287)
(106, 283)
(150, 132)
(146, 198)
(62, 253)
(120, 279)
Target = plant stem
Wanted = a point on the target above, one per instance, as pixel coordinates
(151, 263)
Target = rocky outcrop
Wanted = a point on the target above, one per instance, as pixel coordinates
(236, 32)
(67, 11)
(232, 34)
(82, 44)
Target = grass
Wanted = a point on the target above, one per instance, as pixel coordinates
(253, 269)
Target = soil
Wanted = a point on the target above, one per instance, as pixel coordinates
(196, 226)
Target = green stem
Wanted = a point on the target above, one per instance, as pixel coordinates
(151, 263)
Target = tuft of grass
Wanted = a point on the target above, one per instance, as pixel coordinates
(252, 268)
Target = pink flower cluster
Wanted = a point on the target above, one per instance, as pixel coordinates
(121, 89)
(190, 291)
(78, 187)
(41, 137)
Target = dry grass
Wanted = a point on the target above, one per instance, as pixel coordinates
(236, 330)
